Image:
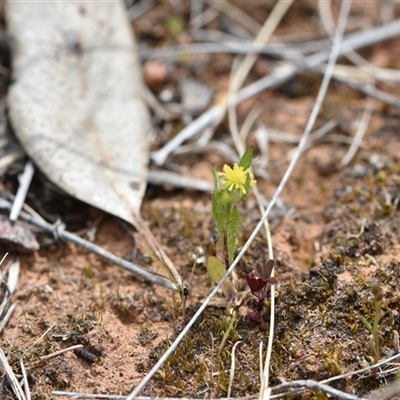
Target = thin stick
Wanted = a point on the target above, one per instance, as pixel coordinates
(65, 235)
(360, 371)
(7, 317)
(236, 14)
(24, 182)
(58, 353)
(157, 177)
(338, 394)
(285, 52)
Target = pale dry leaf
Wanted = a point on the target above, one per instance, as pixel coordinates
(16, 236)
(76, 103)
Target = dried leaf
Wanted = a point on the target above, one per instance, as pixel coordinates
(16, 236)
(75, 103)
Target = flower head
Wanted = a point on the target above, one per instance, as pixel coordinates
(236, 178)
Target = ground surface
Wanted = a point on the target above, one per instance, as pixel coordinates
(335, 234)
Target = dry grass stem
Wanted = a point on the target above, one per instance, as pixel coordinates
(58, 353)
(25, 380)
(12, 379)
(233, 367)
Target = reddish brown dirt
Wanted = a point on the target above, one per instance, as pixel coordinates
(325, 270)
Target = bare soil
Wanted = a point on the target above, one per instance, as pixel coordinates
(334, 235)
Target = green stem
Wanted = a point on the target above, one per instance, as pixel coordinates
(227, 332)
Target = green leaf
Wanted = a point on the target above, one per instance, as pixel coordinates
(232, 232)
(216, 271)
(221, 209)
(367, 324)
(215, 268)
(247, 158)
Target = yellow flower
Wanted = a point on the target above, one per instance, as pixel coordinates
(236, 178)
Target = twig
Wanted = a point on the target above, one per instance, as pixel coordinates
(58, 353)
(139, 9)
(284, 52)
(196, 22)
(24, 182)
(219, 147)
(237, 14)
(314, 385)
(352, 73)
(65, 235)
(157, 177)
(278, 76)
(7, 317)
(360, 371)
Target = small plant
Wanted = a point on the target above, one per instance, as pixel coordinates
(258, 282)
(375, 342)
(231, 187)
